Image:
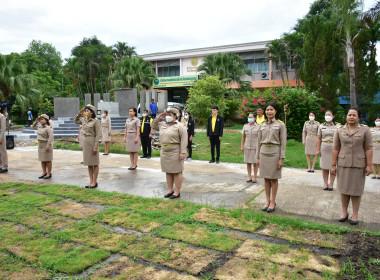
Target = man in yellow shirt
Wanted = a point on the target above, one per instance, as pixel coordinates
(214, 133)
(260, 115)
(146, 131)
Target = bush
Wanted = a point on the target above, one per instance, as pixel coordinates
(205, 94)
(294, 106)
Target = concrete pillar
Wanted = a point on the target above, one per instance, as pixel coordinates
(87, 99)
(96, 100)
(106, 97)
(143, 100)
(65, 107)
(162, 101)
(127, 98)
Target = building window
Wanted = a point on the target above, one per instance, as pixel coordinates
(255, 61)
(168, 68)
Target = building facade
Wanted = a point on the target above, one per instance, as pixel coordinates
(177, 70)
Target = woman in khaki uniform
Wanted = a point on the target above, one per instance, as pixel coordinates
(270, 154)
(324, 148)
(45, 137)
(106, 131)
(91, 132)
(249, 145)
(352, 153)
(173, 139)
(132, 136)
(376, 148)
(3, 141)
(309, 140)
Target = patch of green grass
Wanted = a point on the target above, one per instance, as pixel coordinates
(31, 199)
(95, 235)
(194, 234)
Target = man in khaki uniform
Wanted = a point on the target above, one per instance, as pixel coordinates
(3, 142)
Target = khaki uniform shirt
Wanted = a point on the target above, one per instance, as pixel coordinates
(90, 127)
(352, 146)
(251, 134)
(106, 122)
(132, 125)
(310, 128)
(272, 133)
(171, 134)
(375, 135)
(3, 127)
(327, 132)
(45, 134)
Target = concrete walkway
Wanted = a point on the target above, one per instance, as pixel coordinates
(300, 193)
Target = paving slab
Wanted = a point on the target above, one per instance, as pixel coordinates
(300, 193)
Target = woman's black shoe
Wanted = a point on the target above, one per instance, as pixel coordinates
(168, 195)
(343, 219)
(93, 187)
(330, 189)
(354, 222)
(265, 208)
(249, 181)
(175, 196)
(43, 176)
(48, 177)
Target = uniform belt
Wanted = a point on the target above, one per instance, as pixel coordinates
(377, 142)
(311, 135)
(271, 145)
(88, 135)
(327, 141)
(39, 141)
(104, 125)
(169, 144)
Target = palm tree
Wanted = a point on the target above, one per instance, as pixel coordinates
(228, 66)
(15, 81)
(348, 12)
(121, 50)
(278, 55)
(133, 72)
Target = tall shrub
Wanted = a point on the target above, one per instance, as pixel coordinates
(294, 105)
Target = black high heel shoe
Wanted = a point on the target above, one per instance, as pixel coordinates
(43, 176)
(93, 187)
(168, 194)
(343, 219)
(175, 196)
(48, 177)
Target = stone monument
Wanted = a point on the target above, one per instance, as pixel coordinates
(127, 98)
(87, 98)
(106, 97)
(65, 107)
(96, 100)
(162, 101)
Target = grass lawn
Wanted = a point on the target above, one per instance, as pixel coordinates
(229, 150)
(60, 231)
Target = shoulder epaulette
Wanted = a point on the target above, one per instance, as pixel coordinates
(363, 125)
(280, 121)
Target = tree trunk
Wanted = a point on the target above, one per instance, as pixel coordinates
(352, 74)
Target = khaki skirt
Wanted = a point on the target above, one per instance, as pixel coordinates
(89, 158)
(249, 155)
(81, 137)
(105, 137)
(326, 155)
(169, 157)
(131, 146)
(269, 157)
(42, 154)
(351, 180)
(376, 153)
(311, 145)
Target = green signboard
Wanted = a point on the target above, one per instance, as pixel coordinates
(176, 81)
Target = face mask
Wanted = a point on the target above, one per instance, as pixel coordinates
(328, 118)
(186, 117)
(144, 115)
(88, 115)
(377, 123)
(168, 119)
(311, 118)
(251, 120)
(104, 115)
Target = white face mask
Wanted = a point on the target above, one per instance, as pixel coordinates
(251, 120)
(144, 115)
(311, 118)
(186, 117)
(168, 119)
(328, 118)
(377, 123)
(104, 115)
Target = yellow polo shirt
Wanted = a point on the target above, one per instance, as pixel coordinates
(260, 120)
(213, 122)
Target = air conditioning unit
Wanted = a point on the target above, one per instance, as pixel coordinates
(264, 75)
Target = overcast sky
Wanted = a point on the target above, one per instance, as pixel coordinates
(150, 26)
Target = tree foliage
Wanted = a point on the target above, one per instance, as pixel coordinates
(204, 94)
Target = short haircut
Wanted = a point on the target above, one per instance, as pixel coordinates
(260, 107)
(145, 110)
(134, 110)
(215, 107)
(312, 112)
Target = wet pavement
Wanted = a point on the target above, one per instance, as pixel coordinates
(300, 194)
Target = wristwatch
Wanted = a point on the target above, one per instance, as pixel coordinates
(333, 164)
